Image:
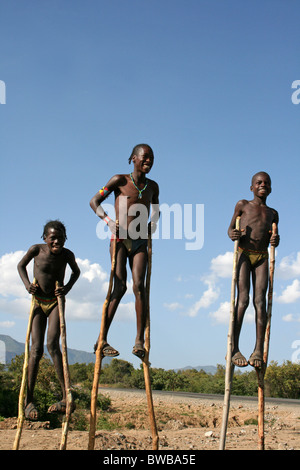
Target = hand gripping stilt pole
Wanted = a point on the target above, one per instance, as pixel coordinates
(21, 415)
(229, 366)
(100, 344)
(147, 350)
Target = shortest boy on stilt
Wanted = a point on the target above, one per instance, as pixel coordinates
(50, 262)
(254, 238)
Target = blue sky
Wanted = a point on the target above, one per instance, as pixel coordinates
(208, 84)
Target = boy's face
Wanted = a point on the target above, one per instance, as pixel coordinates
(55, 240)
(143, 160)
(261, 185)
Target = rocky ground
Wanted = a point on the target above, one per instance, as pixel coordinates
(183, 424)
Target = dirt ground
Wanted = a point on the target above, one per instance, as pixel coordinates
(183, 424)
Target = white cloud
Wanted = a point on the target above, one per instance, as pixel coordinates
(91, 271)
(93, 311)
(10, 281)
(189, 296)
(84, 301)
(126, 312)
(291, 318)
(291, 293)
(7, 324)
(208, 297)
(289, 267)
(222, 315)
(18, 307)
(221, 266)
(173, 306)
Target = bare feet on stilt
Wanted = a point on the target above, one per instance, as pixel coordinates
(107, 350)
(139, 350)
(61, 407)
(238, 359)
(31, 412)
(256, 360)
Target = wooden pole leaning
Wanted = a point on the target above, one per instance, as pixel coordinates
(261, 371)
(229, 366)
(100, 344)
(69, 399)
(145, 359)
(21, 414)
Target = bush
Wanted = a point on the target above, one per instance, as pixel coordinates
(9, 396)
(280, 381)
(283, 381)
(47, 389)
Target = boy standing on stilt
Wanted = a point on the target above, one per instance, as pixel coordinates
(254, 238)
(50, 262)
(134, 195)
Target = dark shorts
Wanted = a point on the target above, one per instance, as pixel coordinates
(132, 246)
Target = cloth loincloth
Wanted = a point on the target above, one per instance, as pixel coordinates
(47, 304)
(254, 256)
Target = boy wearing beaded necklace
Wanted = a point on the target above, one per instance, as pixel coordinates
(134, 194)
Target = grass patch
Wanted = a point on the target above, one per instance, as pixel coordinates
(103, 423)
(250, 421)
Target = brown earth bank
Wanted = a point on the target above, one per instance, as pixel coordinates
(184, 423)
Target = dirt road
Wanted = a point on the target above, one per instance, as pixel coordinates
(184, 423)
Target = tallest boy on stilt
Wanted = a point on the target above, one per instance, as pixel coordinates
(134, 194)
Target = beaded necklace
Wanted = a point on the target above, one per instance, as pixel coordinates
(139, 190)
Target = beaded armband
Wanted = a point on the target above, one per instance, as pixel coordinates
(107, 219)
(103, 191)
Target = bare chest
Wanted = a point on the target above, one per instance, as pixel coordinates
(133, 193)
(49, 264)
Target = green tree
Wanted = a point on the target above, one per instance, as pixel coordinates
(8, 394)
(118, 371)
(82, 373)
(136, 379)
(47, 389)
(166, 380)
(283, 381)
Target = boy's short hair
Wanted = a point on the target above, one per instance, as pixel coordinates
(137, 148)
(57, 225)
(260, 173)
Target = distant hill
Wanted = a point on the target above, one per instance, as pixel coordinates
(14, 348)
(208, 369)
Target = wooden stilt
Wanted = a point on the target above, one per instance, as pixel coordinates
(261, 372)
(101, 343)
(21, 415)
(98, 362)
(69, 399)
(229, 366)
(147, 351)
